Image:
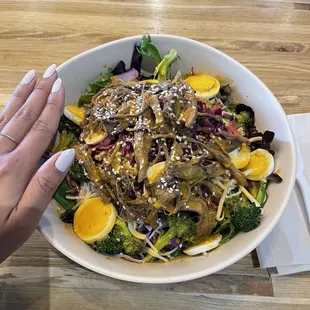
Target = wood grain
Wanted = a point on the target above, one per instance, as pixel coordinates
(36, 258)
(270, 37)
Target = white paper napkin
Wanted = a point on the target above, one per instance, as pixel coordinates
(288, 246)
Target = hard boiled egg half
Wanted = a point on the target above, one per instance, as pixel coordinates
(260, 166)
(94, 219)
(204, 245)
(75, 114)
(206, 86)
(240, 157)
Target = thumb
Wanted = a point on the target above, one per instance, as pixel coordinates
(43, 185)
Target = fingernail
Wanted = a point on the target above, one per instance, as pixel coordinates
(56, 86)
(28, 77)
(65, 160)
(49, 71)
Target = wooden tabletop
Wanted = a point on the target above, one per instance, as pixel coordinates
(270, 37)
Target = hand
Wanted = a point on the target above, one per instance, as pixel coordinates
(27, 126)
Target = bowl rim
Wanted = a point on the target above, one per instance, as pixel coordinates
(248, 248)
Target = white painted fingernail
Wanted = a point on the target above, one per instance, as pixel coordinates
(28, 77)
(65, 160)
(57, 85)
(49, 71)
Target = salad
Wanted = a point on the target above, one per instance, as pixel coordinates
(166, 164)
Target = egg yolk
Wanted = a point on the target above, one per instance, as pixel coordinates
(259, 163)
(76, 111)
(92, 218)
(202, 83)
(240, 158)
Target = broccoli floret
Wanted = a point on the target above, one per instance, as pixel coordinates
(131, 245)
(231, 202)
(182, 226)
(76, 172)
(119, 240)
(245, 216)
(179, 226)
(111, 244)
(243, 120)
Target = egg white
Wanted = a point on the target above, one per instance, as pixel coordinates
(204, 245)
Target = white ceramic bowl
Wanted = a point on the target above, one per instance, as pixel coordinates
(84, 68)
